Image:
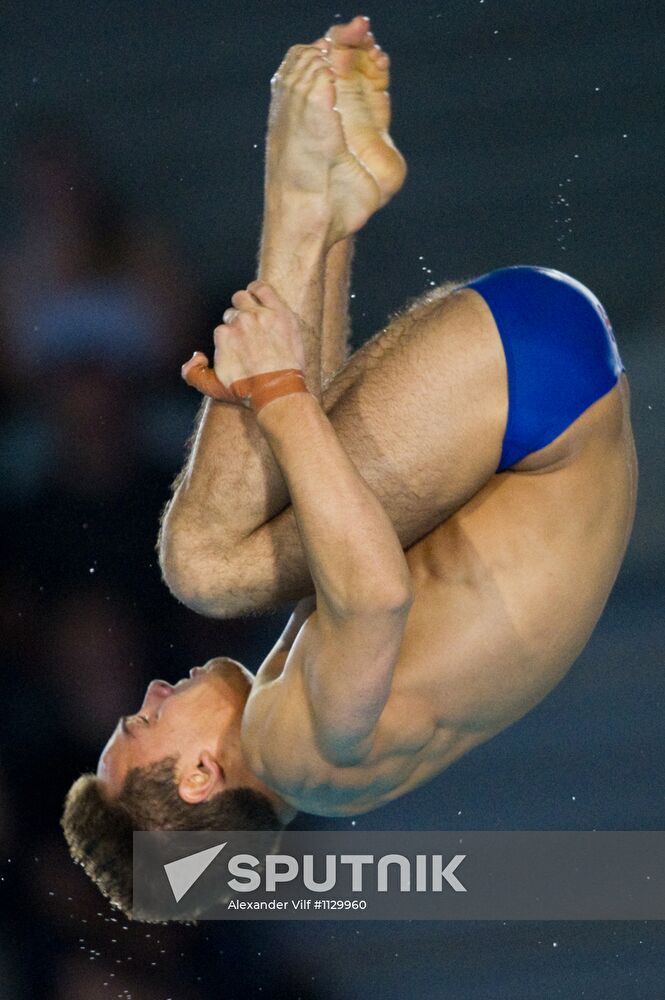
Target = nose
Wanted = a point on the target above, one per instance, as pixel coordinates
(159, 689)
(155, 694)
(195, 671)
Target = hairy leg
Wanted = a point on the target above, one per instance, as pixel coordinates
(420, 409)
(230, 484)
(314, 189)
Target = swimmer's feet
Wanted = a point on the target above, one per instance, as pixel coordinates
(362, 71)
(330, 150)
(310, 173)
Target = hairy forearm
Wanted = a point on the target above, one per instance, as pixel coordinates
(354, 556)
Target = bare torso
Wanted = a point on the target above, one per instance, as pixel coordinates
(508, 584)
(508, 590)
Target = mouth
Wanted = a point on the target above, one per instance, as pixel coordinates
(162, 689)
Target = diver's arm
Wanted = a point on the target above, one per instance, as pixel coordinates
(348, 648)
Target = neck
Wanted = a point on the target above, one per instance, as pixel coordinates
(285, 812)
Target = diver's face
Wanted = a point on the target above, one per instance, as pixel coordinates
(188, 720)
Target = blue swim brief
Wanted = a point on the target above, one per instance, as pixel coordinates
(560, 352)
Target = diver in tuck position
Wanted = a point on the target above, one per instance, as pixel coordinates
(457, 496)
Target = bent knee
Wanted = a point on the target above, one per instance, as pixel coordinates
(191, 576)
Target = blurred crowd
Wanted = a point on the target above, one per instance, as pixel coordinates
(97, 314)
(98, 310)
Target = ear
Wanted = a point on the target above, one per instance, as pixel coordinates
(200, 783)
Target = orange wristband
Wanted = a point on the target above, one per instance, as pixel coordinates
(262, 389)
(258, 389)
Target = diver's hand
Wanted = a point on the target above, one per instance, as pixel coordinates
(259, 352)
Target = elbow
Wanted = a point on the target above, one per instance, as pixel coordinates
(394, 605)
(400, 598)
(380, 600)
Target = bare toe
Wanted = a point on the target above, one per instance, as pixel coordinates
(378, 56)
(313, 71)
(355, 33)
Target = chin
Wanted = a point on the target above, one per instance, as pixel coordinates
(230, 671)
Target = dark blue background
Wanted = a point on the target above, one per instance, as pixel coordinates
(500, 107)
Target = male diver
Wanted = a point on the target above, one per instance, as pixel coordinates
(450, 506)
